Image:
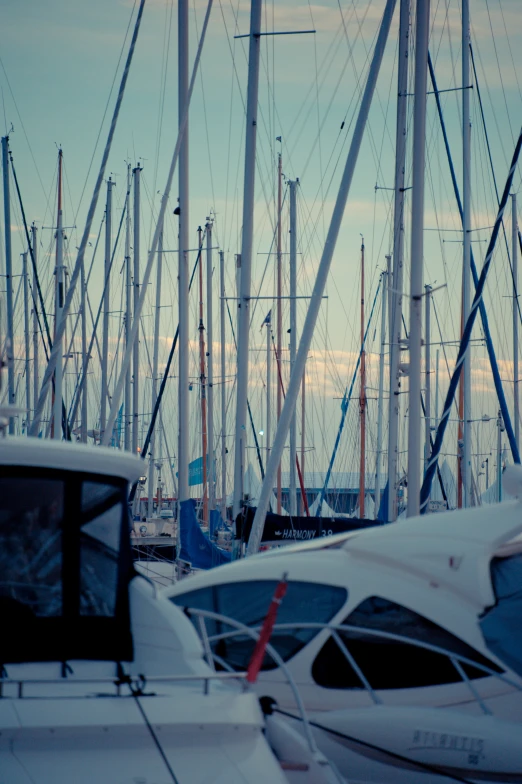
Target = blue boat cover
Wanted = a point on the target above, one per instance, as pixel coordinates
(216, 521)
(195, 547)
(500, 625)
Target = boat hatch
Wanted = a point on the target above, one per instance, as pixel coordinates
(65, 563)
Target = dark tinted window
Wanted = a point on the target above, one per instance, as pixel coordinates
(248, 603)
(31, 513)
(389, 664)
(101, 511)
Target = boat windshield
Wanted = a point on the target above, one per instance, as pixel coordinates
(63, 543)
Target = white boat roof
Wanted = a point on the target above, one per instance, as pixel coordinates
(70, 456)
(452, 550)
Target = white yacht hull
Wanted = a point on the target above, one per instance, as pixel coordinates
(104, 740)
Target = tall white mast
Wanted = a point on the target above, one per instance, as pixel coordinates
(514, 253)
(83, 298)
(466, 267)
(36, 374)
(427, 376)
(60, 296)
(155, 351)
(380, 404)
(417, 250)
(223, 386)
(9, 281)
(210, 376)
(128, 316)
(268, 384)
(320, 282)
(136, 298)
(293, 337)
(183, 297)
(279, 313)
(27, 342)
(246, 252)
(106, 307)
(396, 286)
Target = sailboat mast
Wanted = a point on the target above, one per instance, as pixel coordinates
(279, 311)
(427, 376)
(152, 452)
(398, 260)
(58, 375)
(303, 421)
(9, 281)
(362, 398)
(36, 374)
(202, 380)
(128, 316)
(268, 434)
(223, 386)
(293, 338)
(183, 273)
(136, 298)
(416, 256)
(83, 297)
(466, 266)
(27, 341)
(210, 374)
(514, 254)
(106, 307)
(246, 251)
(385, 294)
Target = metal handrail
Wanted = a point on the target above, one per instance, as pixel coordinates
(134, 681)
(270, 650)
(457, 659)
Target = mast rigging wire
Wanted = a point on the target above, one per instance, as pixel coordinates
(60, 329)
(483, 314)
(464, 344)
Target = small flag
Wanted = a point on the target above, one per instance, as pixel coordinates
(268, 319)
(278, 138)
(266, 632)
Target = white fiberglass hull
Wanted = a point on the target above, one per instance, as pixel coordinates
(105, 740)
(384, 745)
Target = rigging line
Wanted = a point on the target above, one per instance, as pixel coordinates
(421, 765)
(344, 406)
(499, 71)
(35, 271)
(51, 365)
(108, 101)
(464, 344)
(163, 83)
(298, 464)
(23, 129)
(161, 390)
(494, 178)
(483, 314)
(136, 692)
(254, 431)
(81, 381)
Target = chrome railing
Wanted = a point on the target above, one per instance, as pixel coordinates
(457, 660)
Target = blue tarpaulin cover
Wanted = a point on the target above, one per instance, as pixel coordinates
(195, 547)
(216, 521)
(501, 625)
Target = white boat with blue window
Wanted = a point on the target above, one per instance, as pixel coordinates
(101, 679)
(404, 641)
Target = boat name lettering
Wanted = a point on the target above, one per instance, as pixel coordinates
(426, 739)
(292, 533)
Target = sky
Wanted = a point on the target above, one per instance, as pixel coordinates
(61, 65)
